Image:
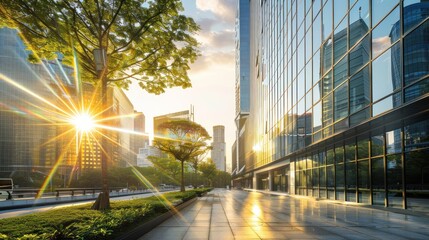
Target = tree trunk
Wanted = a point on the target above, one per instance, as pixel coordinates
(182, 181)
(103, 200)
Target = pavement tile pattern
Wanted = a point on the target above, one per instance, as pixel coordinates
(224, 214)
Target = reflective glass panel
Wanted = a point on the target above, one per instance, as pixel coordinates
(340, 9)
(327, 20)
(341, 102)
(359, 55)
(386, 104)
(363, 174)
(385, 78)
(341, 71)
(359, 117)
(393, 141)
(327, 83)
(394, 180)
(339, 154)
(414, 12)
(317, 34)
(417, 177)
(340, 40)
(317, 117)
(378, 184)
(317, 69)
(416, 49)
(380, 8)
(330, 156)
(327, 110)
(351, 180)
(359, 21)
(363, 148)
(382, 36)
(359, 91)
(339, 173)
(416, 135)
(377, 145)
(417, 90)
(327, 55)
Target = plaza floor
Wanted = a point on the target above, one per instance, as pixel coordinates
(224, 214)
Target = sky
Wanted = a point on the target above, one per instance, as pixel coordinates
(212, 75)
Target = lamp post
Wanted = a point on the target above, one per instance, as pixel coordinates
(103, 201)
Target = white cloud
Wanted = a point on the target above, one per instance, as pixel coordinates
(208, 60)
(223, 9)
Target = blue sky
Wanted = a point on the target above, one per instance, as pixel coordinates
(212, 75)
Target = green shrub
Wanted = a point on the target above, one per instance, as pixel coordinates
(80, 222)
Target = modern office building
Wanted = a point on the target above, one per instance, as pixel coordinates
(119, 147)
(242, 79)
(218, 147)
(28, 94)
(338, 101)
(34, 101)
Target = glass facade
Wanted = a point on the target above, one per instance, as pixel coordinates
(336, 89)
(27, 123)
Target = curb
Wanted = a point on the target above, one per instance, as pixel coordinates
(146, 227)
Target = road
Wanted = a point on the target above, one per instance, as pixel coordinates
(25, 211)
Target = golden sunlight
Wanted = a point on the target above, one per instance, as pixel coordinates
(83, 122)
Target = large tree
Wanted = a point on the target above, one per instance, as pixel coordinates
(147, 41)
(184, 140)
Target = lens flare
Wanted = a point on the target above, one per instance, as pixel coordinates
(83, 122)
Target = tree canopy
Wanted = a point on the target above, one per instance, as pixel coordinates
(148, 41)
(183, 140)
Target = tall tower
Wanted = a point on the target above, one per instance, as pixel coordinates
(218, 151)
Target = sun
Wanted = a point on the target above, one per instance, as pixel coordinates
(83, 122)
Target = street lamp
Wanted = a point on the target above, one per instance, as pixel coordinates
(100, 61)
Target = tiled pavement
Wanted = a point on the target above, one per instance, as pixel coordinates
(223, 214)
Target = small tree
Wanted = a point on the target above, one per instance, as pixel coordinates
(209, 170)
(184, 140)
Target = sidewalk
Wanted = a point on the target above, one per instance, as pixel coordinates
(224, 214)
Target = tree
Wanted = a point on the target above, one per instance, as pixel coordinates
(209, 170)
(183, 140)
(195, 162)
(146, 41)
(167, 166)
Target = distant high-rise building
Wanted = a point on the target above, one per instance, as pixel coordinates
(218, 148)
(144, 154)
(338, 101)
(140, 139)
(182, 115)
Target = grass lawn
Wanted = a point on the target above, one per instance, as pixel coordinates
(80, 222)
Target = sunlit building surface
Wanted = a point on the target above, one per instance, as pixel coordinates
(27, 124)
(118, 146)
(242, 81)
(218, 147)
(35, 102)
(339, 95)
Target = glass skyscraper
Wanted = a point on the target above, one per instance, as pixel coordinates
(339, 100)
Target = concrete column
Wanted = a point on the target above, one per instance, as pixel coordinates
(270, 180)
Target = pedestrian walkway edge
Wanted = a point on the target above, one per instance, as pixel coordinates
(146, 227)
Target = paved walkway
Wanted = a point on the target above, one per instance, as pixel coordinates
(222, 215)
